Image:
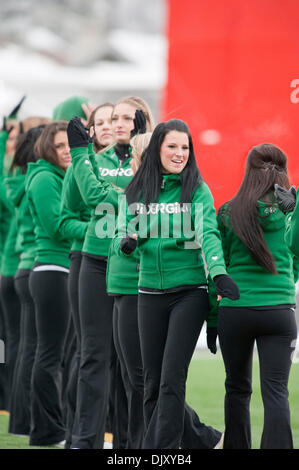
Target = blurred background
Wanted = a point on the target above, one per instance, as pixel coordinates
(229, 69)
(102, 49)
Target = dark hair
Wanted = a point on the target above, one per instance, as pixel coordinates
(25, 151)
(44, 146)
(266, 165)
(97, 146)
(146, 184)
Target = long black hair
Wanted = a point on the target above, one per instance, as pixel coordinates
(25, 151)
(266, 165)
(146, 184)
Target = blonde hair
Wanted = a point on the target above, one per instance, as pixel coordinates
(139, 103)
(139, 143)
(34, 121)
(28, 123)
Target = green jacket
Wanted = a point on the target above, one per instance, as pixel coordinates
(122, 273)
(3, 140)
(292, 229)
(171, 238)
(4, 214)
(93, 178)
(10, 258)
(257, 286)
(25, 243)
(54, 232)
(71, 200)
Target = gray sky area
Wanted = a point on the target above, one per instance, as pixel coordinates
(102, 49)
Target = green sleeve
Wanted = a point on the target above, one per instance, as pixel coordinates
(6, 202)
(92, 158)
(292, 229)
(93, 190)
(124, 225)
(212, 318)
(3, 140)
(71, 197)
(71, 226)
(207, 233)
(45, 194)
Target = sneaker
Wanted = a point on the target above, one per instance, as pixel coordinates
(108, 441)
(219, 444)
(107, 445)
(59, 444)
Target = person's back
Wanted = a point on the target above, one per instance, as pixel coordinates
(252, 229)
(252, 278)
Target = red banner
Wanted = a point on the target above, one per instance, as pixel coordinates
(233, 76)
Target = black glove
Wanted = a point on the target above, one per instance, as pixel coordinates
(16, 108)
(5, 128)
(286, 198)
(128, 244)
(226, 287)
(78, 135)
(211, 338)
(139, 123)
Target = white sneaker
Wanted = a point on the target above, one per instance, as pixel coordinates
(59, 444)
(107, 445)
(219, 444)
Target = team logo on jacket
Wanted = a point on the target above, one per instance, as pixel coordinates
(162, 207)
(116, 172)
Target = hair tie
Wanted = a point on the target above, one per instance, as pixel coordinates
(271, 166)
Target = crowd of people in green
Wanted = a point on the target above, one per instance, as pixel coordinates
(113, 258)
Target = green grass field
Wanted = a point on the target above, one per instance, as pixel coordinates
(205, 393)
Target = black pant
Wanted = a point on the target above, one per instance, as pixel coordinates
(68, 368)
(49, 292)
(71, 389)
(118, 403)
(20, 416)
(3, 367)
(127, 344)
(275, 332)
(169, 326)
(12, 314)
(196, 435)
(95, 308)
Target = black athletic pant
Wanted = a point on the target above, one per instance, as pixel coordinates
(117, 417)
(127, 344)
(19, 421)
(50, 295)
(196, 435)
(95, 308)
(169, 326)
(3, 367)
(68, 365)
(12, 314)
(274, 331)
(71, 390)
